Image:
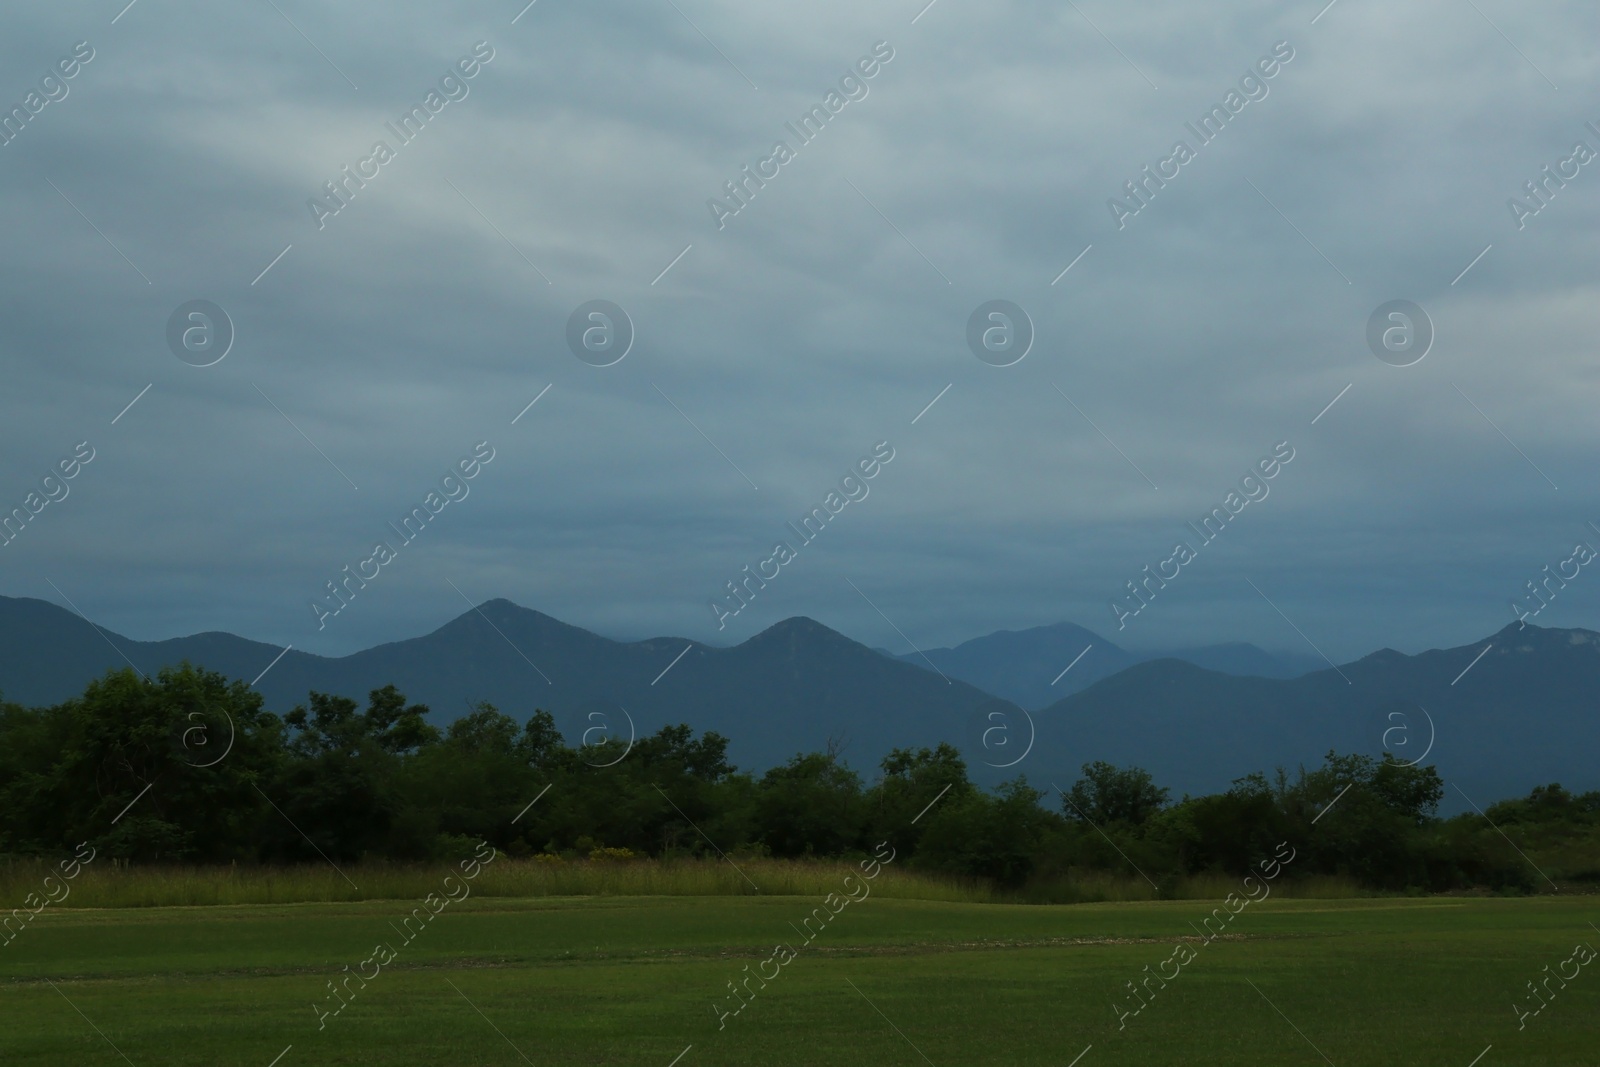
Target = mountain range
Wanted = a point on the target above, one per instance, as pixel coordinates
(796, 685)
(1037, 667)
(1497, 717)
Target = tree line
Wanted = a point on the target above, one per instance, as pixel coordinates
(188, 767)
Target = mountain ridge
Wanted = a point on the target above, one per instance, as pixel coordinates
(520, 659)
(1467, 707)
(1498, 715)
(1015, 664)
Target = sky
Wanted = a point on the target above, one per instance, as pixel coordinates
(1173, 347)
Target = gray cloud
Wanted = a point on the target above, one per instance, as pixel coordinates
(411, 326)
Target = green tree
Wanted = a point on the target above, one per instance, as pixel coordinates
(811, 805)
(474, 783)
(159, 769)
(979, 835)
(1229, 831)
(340, 792)
(1364, 818)
(912, 781)
(1107, 794)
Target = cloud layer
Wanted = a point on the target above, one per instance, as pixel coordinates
(824, 317)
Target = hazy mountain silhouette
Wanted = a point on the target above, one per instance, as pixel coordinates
(1026, 666)
(795, 686)
(1524, 714)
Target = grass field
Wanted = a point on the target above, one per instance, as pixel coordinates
(633, 980)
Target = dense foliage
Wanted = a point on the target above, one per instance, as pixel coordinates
(189, 767)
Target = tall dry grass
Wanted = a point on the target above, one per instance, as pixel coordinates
(103, 885)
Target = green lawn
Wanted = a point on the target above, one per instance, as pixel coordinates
(633, 981)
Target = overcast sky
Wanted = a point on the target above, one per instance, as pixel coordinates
(1179, 350)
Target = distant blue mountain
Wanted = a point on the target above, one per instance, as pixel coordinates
(1026, 666)
(1526, 713)
(795, 686)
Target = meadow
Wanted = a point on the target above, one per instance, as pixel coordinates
(631, 964)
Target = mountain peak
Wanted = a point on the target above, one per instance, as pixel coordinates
(501, 606)
(503, 610)
(797, 627)
(1526, 629)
